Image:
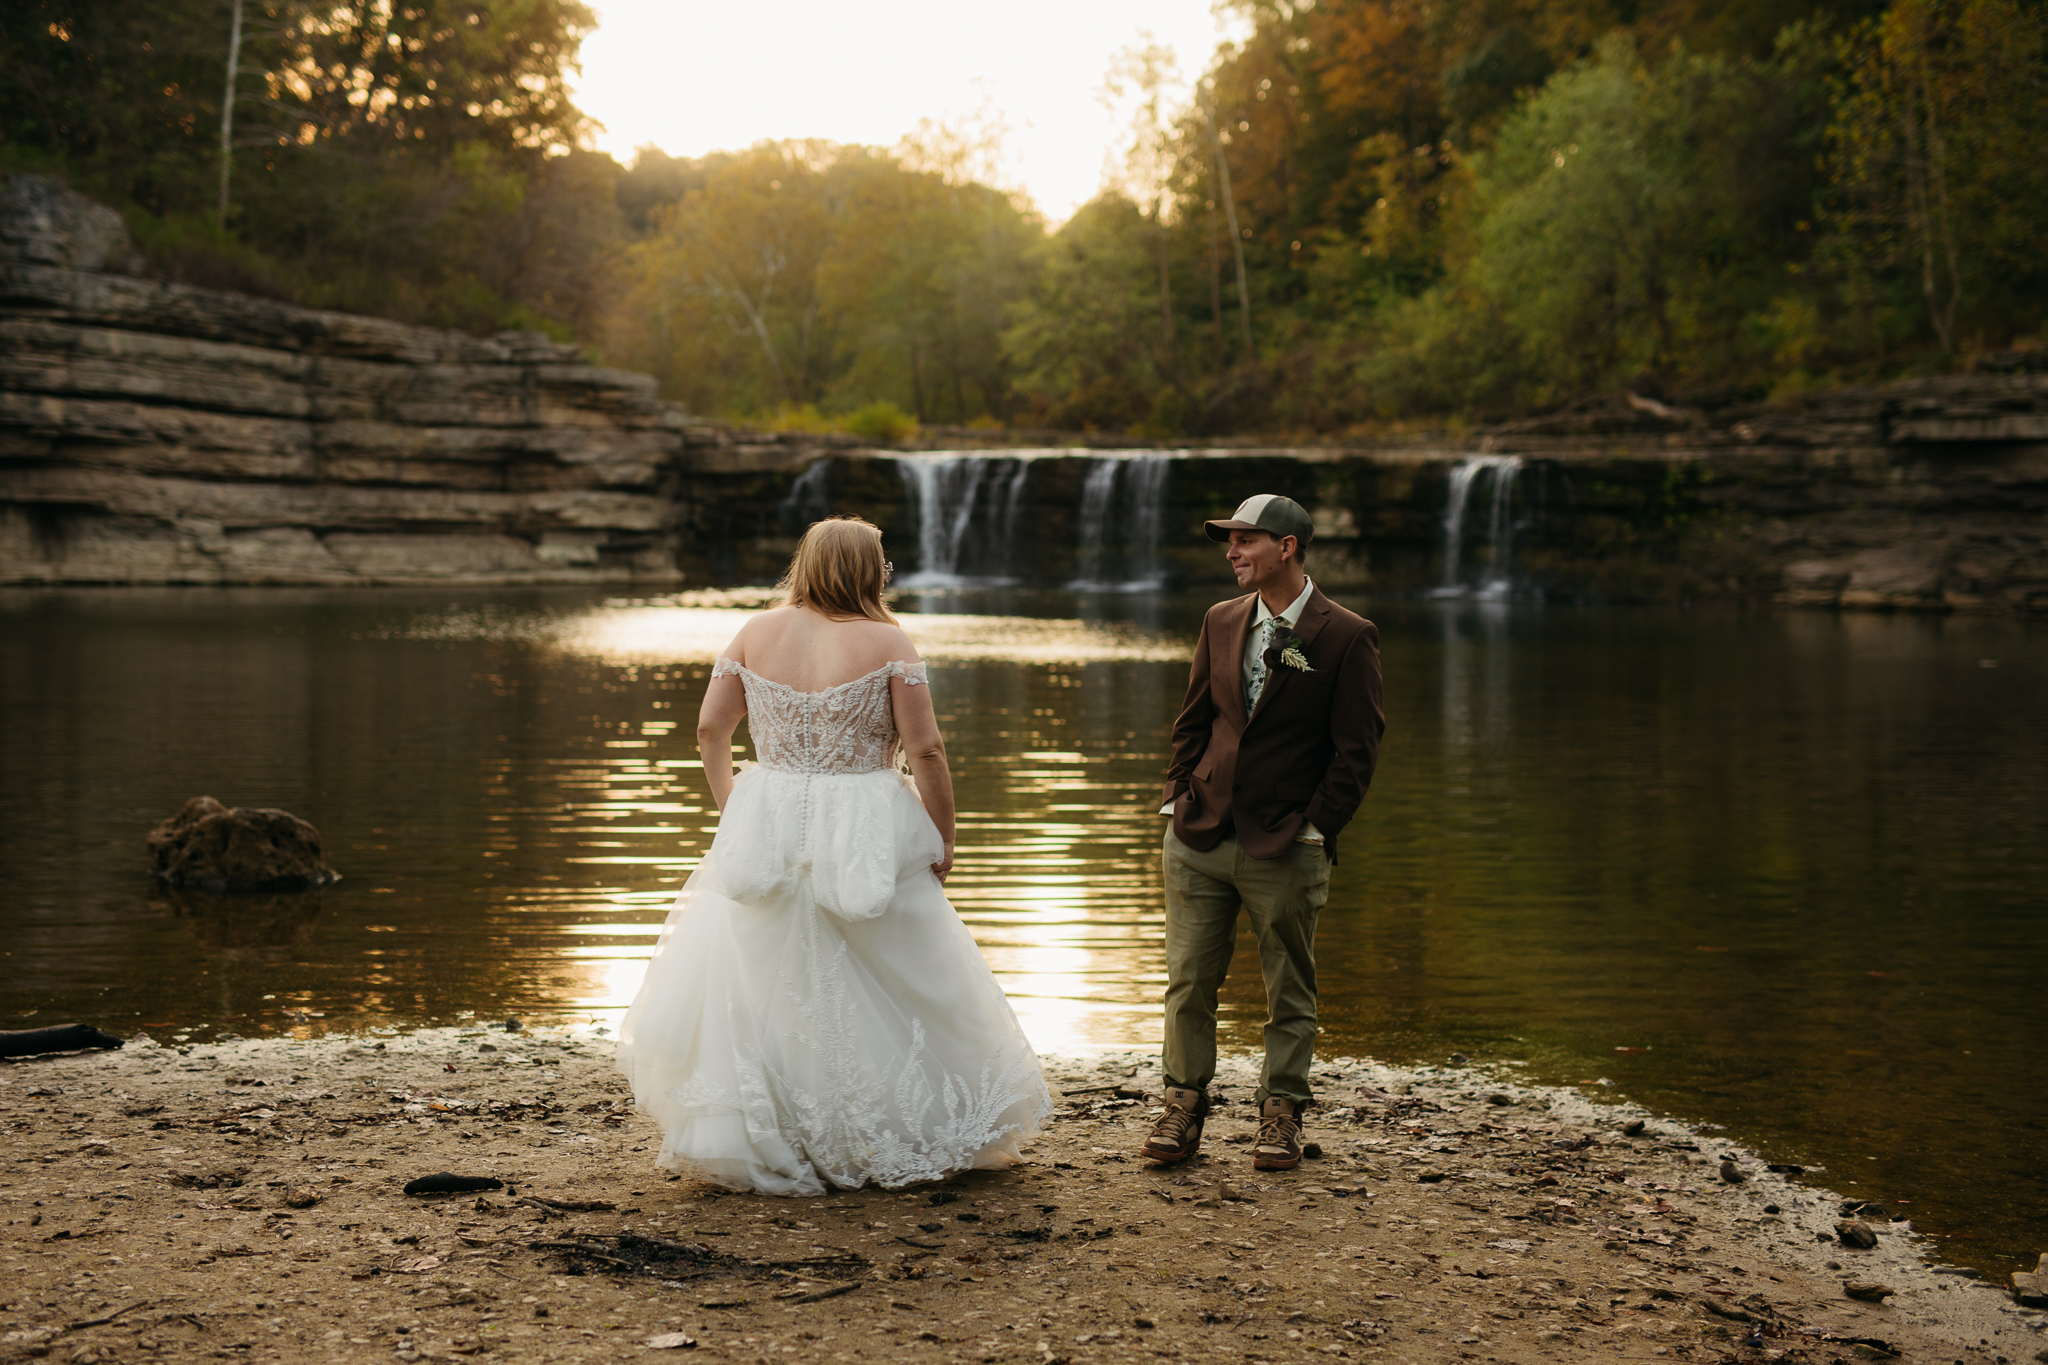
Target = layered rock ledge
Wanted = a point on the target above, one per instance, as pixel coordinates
(159, 433)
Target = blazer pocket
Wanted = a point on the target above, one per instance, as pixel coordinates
(1208, 766)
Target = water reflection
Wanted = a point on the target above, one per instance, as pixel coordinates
(1796, 860)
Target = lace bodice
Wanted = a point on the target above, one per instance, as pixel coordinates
(845, 729)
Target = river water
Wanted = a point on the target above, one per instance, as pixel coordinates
(1782, 872)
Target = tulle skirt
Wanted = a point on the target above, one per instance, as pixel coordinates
(815, 1013)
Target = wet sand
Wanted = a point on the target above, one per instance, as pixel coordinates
(242, 1200)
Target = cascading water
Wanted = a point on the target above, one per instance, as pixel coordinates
(1142, 479)
(1500, 528)
(808, 499)
(948, 491)
(944, 487)
(970, 519)
(1091, 522)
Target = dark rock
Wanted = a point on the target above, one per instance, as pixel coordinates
(1312, 1150)
(43, 223)
(1772, 1208)
(61, 1038)
(944, 1197)
(1785, 1168)
(1500, 1099)
(214, 848)
(513, 1026)
(1852, 1232)
(1868, 1291)
(1459, 1059)
(1731, 1173)
(1633, 1128)
(445, 1182)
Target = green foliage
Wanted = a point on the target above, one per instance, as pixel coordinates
(1630, 226)
(809, 273)
(1940, 184)
(1089, 341)
(414, 161)
(1443, 209)
(881, 421)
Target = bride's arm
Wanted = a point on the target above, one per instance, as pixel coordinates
(725, 705)
(918, 727)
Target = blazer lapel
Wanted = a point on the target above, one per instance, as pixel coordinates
(1227, 673)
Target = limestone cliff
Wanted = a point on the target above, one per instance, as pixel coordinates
(159, 433)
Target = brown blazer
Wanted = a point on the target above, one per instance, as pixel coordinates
(1306, 753)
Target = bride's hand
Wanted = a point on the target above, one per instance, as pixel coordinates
(945, 864)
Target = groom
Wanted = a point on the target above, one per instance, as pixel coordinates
(1272, 753)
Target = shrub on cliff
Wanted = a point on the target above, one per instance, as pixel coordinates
(881, 421)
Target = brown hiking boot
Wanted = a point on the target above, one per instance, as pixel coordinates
(1178, 1133)
(1278, 1147)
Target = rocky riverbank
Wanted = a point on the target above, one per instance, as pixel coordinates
(244, 1200)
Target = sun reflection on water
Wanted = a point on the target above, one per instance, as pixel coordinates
(1054, 878)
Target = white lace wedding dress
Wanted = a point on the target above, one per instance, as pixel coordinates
(815, 1013)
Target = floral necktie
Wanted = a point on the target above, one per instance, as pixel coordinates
(1260, 670)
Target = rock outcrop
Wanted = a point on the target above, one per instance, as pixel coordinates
(209, 847)
(160, 433)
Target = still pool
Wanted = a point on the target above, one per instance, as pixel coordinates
(1781, 872)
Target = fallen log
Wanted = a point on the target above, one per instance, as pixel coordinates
(30, 1042)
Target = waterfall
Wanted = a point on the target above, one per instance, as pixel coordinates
(1142, 479)
(959, 494)
(971, 527)
(1091, 522)
(808, 499)
(1500, 528)
(944, 488)
(1013, 508)
(1148, 512)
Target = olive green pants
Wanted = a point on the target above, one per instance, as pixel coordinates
(1283, 896)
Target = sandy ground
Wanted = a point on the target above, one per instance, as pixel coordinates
(242, 1200)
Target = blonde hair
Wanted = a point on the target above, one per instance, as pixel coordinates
(837, 571)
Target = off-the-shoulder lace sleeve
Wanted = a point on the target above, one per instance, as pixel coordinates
(913, 675)
(725, 667)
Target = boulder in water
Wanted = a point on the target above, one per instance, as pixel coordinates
(215, 848)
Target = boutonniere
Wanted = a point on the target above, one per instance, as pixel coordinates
(1291, 646)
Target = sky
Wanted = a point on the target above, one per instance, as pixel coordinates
(693, 77)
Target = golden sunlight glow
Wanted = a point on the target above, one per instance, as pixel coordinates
(633, 633)
(692, 79)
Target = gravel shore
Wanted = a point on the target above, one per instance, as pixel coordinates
(243, 1200)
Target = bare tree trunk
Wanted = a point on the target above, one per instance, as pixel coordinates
(1165, 286)
(1215, 290)
(1244, 296)
(1937, 178)
(227, 112)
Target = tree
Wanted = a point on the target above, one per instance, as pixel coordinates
(1940, 187)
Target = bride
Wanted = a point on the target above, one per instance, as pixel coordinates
(815, 1013)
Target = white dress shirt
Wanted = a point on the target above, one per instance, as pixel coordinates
(1308, 833)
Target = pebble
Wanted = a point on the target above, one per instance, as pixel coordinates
(1868, 1291)
(1855, 1233)
(1732, 1173)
